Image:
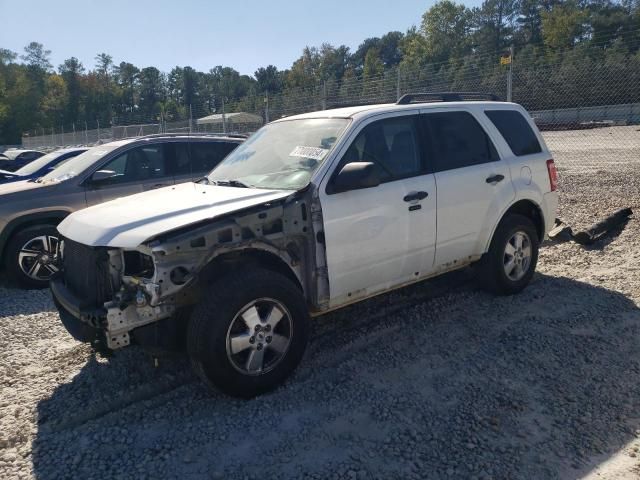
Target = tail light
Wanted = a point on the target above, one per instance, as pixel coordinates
(553, 175)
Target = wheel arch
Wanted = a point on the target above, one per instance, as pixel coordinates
(527, 208)
(16, 225)
(250, 257)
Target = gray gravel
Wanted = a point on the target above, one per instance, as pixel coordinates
(439, 380)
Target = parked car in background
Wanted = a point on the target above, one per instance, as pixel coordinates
(31, 210)
(12, 160)
(41, 166)
(312, 213)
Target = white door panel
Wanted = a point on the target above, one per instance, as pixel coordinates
(374, 241)
(468, 209)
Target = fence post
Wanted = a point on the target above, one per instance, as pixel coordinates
(190, 119)
(398, 86)
(62, 135)
(266, 107)
(98, 122)
(510, 76)
(53, 140)
(74, 133)
(224, 120)
(323, 100)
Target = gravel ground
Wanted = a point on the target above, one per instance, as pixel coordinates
(438, 380)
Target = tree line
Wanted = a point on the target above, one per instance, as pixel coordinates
(451, 41)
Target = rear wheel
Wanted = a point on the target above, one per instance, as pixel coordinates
(511, 261)
(249, 333)
(32, 256)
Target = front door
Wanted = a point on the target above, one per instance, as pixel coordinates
(380, 237)
(136, 170)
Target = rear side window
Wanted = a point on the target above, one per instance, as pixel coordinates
(457, 140)
(516, 131)
(206, 156)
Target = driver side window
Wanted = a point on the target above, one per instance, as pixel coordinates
(392, 145)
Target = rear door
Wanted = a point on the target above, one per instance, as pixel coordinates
(136, 170)
(473, 184)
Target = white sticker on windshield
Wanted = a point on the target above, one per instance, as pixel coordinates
(315, 153)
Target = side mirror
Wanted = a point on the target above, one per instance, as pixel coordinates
(355, 176)
(102, 175)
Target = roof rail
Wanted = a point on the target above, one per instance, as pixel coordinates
(424, 97)
(195, 134)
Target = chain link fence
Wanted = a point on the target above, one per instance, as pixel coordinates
(586, 101)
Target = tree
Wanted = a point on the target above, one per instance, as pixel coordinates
(414, 49)
(388, 46)
(304, 72)
(152, 87)
(55, 102)
(104, 63)
(494, 24)
(563, 25)
(36, 56)
(7, 56)
(268, 79)
(71, 71)
(445, 27)
(127, 79)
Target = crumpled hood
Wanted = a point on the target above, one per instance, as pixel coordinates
(128, 221)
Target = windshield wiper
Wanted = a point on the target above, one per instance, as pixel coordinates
(230, 183)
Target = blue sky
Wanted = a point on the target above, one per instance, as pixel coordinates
(242, 34)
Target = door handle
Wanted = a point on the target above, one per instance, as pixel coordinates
(409, 197)
(495, 178)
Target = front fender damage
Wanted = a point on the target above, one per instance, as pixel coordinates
(288, 231)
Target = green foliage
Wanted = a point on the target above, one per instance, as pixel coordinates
(446, 27)
(585, 52)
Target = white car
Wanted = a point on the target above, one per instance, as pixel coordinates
(311, 213)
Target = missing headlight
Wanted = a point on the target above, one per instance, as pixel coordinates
(137, 264)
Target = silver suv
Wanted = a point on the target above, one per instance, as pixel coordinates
(31, 210)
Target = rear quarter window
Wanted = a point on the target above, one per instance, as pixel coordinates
(516, 131)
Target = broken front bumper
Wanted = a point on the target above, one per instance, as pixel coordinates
(111, 323)
(82, 321)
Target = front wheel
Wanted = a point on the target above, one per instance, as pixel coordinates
(32, 256)
(511, 261)
(249, 332)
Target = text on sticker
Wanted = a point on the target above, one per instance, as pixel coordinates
(316, 153)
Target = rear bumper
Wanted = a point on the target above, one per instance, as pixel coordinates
(549, 210)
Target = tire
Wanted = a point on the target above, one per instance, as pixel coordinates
(33, 250)
(236, 320)
(503, 249)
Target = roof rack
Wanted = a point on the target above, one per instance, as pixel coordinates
(424, 97)
(195, 134)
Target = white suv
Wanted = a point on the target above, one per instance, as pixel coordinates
(310, 214)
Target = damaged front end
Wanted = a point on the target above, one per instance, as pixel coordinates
(137, 295)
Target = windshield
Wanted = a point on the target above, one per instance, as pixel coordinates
(281, 155)
(79, 164)
(39, 163)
